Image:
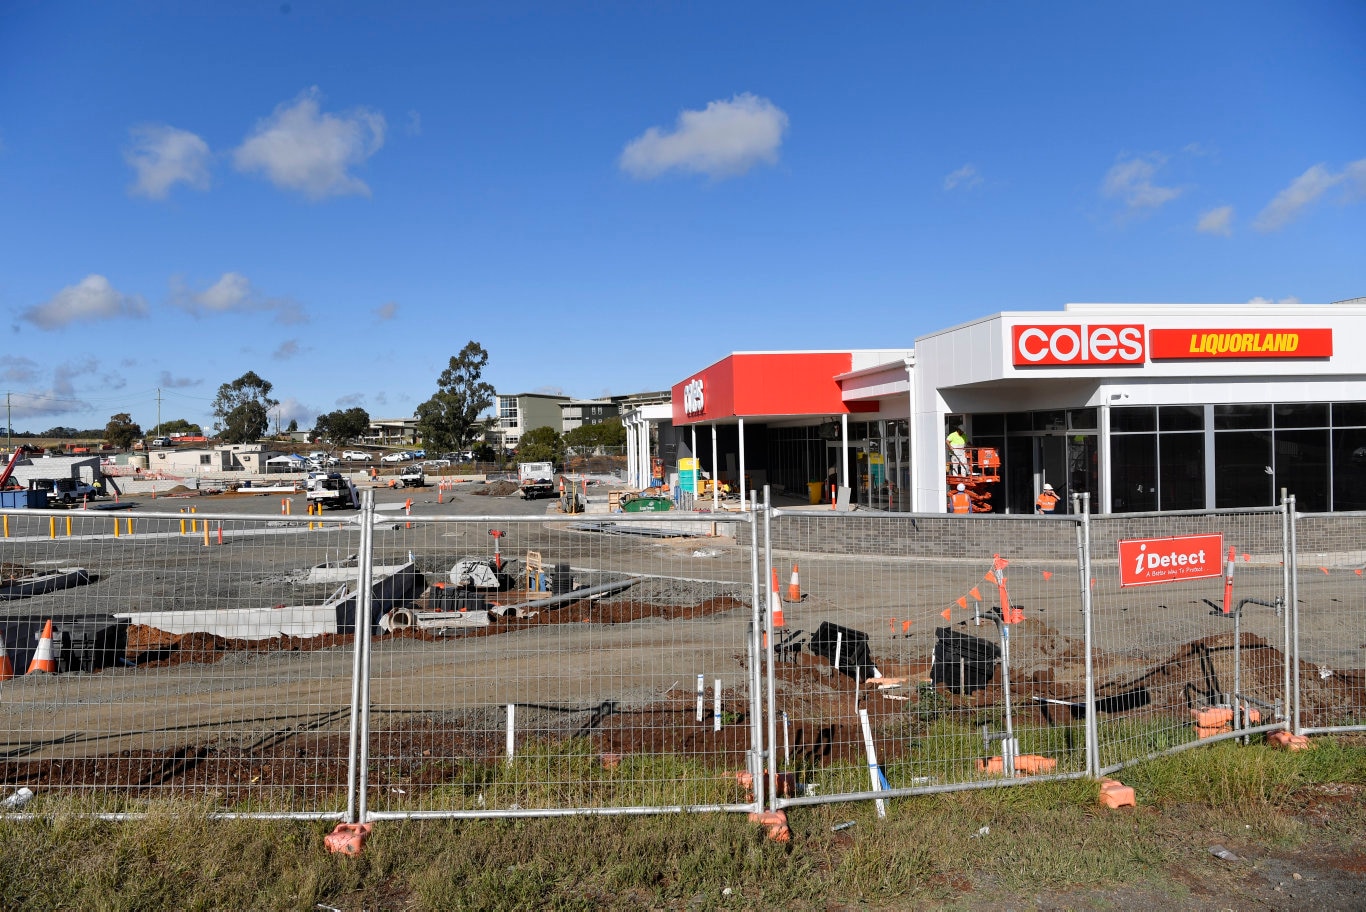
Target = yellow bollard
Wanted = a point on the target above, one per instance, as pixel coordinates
(130, 525)
(6, 525)
(68, 527)
(52, 527)
(206, 535)
(116, 528)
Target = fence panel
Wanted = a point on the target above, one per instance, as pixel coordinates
(1330, 624)
(199, 655)
(901, 617)
(1173, 668)
(583, 678)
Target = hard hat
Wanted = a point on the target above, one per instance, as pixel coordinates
(962, 487)
(1047, 486)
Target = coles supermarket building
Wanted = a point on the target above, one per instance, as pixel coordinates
(1145, 407)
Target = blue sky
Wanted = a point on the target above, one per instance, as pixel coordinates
(609, 196)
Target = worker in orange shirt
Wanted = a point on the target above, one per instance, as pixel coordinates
(1047, 501)
(960, 501)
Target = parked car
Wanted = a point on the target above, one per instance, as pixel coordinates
(355, 456)
(436, 463)
(161, 441)
(400, 456)
(417, 454)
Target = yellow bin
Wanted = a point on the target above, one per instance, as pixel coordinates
(817, 491)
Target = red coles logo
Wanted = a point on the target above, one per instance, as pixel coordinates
(1070, 346)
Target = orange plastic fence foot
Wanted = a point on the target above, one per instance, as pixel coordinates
(776, 822)
(1286, 741)
(1115, 794)
(347, 838)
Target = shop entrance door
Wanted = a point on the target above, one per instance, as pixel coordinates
(1051, 467)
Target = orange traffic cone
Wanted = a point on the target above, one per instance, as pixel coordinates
(43, 662)
(6, 666)
(777, 603)
(794, 590)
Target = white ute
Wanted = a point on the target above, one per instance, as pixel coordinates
(536, 479)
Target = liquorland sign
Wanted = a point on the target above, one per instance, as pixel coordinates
(1145, 561)
(1128, 344)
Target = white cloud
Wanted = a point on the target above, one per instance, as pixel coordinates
(65, 374)
(1307, 189)
(1268, 302)
(47, 402)
(725, 139)
(92, 299)
(414, 123)
(1216, 221)
(233, 293)
(286, 350)
(965, 176)
(167, 381)
(1131, 180)
(351, 400)
(300, 148)
(18, 369)
(165, 156)
(386, 311)
(292, 409)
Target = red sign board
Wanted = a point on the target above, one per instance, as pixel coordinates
(1076, 345)
(1145, 561)
(1202, 344)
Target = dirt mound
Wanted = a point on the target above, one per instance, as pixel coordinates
(496, 489)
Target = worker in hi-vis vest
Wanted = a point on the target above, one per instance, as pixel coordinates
(1047, 500)
(960, 501)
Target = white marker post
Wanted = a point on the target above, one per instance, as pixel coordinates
(716, 706)
(839, 644)
(787, 746)
(701, 693)
(512, 730)
(874, 773)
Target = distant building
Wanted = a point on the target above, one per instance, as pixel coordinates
(392, 431)
(579, 412)
(231, 457)
(522, 412)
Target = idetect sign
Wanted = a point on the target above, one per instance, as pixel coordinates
(1145, 561)
(693, 401)
(1200, 344)
(1077, 345)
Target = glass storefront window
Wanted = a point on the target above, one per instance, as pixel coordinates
(1133, 419)
(1349, 468)
(1082, 419)
(1241, 416)
(982, 425)
(1302, 467)
(1054, 420)
(1301, 415)
(1244, 475)
(1349, 414)
(1133, 473)
(1182, 474)
(1181, 418)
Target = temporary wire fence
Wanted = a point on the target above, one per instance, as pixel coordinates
(191, 654)
(640, 663)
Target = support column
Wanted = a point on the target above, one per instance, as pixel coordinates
(743, 502)
(715, 475)
(844, 451)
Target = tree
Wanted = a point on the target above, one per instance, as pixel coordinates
(293, 426)
(242, 409)
(450, 419)
(180, 426)
(342, 426)
(121, 431)
(610, 433)
(541, 444)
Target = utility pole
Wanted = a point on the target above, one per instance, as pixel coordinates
(158, 433)
(9, 425)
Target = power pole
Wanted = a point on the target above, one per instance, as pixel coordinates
(158, 433)
(9, 426)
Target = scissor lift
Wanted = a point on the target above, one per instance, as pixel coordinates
(984, 468)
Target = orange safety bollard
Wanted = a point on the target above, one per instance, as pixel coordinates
(220, 532)
(347, 838)
(206, 534)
